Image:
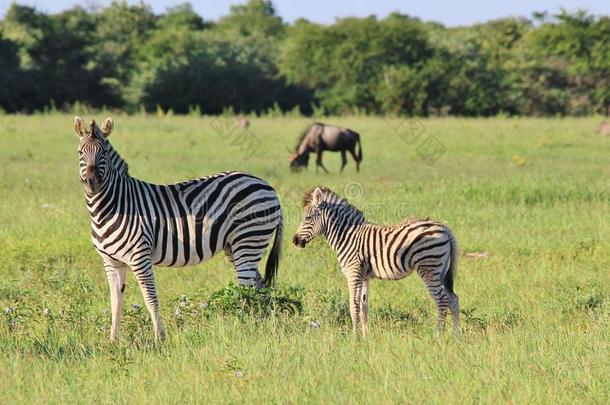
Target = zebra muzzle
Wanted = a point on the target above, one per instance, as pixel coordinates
(298, 242)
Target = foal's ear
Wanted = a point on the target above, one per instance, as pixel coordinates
(107, 127)
(79, 126)
(316, 196)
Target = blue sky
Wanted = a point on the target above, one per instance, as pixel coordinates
(448, 12)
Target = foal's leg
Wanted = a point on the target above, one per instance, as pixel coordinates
(356, 285)
(343, 161)
(364, 308)
(432, 278)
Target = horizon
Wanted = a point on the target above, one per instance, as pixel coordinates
(447, 13)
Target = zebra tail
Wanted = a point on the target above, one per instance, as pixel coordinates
(273, 260)
(453, 263)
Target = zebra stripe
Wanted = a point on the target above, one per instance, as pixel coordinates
(366, 251)
(139, 224)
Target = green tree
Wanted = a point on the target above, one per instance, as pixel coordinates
(13, 92)
(56, 52)
(254, 17)
(578, 44)
(348, 62)
(121, 29)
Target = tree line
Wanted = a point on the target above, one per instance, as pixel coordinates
(127, 57)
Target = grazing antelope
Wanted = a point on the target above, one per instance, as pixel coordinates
(318, 138)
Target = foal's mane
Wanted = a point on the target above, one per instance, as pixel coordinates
(332, 198)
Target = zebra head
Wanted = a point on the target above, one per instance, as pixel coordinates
(311, 223)
(93, 154)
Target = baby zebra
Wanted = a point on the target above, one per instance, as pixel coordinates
(367, 251)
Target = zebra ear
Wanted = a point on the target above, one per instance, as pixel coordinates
(79, 126)
(107, 127)
(316, 196)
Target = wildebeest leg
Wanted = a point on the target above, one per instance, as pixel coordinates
(319, 161)
(343, 161)
(353, 153)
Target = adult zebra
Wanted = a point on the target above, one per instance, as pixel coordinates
(367, 250)
(138, 224)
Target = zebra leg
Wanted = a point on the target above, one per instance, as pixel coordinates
(246, 264)
(364, 308)
(343, 161)
(454, 307)
(143, 271)
(432, 278)
(355, 284)
(116, 281)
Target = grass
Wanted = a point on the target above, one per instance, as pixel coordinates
(534, 193)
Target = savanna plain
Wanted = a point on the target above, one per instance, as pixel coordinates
(531, 195)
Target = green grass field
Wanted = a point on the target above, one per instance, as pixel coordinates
(534, 193)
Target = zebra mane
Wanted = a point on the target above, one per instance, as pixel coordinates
(336, 203)
(117, 161)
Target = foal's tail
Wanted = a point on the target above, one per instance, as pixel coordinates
(451, 272)
(273, 260)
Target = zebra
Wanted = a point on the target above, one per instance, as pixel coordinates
(366, 251)
(138, 224)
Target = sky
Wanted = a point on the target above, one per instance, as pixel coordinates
(448, 12)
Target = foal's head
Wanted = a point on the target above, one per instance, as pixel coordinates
(311, 223)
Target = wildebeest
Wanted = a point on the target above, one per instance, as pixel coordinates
(318, 138)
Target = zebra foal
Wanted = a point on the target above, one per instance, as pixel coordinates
(391, 252)
(138, 224)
